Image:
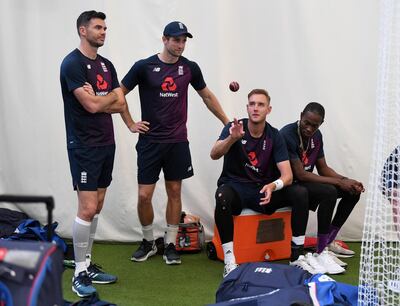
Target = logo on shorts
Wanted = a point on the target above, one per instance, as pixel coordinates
(83, 177)
(189, 169)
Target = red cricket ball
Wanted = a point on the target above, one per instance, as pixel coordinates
(234, 86)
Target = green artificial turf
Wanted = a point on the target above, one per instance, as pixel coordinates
(152, 282)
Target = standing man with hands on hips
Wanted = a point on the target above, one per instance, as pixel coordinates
(163, 81)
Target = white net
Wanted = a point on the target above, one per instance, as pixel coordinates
(379, 282)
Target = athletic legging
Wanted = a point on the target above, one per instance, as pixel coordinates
(228, 204)
(324, 196)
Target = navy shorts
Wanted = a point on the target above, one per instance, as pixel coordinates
(173, 158)
(250, 197)
(91, 167)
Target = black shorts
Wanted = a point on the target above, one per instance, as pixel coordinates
(173, 158)
(91, 167)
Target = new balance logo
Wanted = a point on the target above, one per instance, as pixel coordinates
(83, 177)
(263, 270)
(244, 141)
(189, 168)
(156, 69)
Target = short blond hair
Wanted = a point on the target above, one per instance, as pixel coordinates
(259, 91)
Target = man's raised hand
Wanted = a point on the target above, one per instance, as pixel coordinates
(236, 129)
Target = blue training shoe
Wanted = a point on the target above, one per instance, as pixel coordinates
(82, 285)
(97, 276)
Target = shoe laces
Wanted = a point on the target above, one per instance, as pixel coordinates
(171, 249)
(144, 245)
(326, 258)
(302, 263)
(313, 262)
(84, 279)
(95, 268)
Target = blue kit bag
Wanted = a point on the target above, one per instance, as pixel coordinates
(256, 278)
(30, 273)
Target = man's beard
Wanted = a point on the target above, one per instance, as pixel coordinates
(95, 44)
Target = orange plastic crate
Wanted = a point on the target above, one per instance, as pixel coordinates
(259, 237)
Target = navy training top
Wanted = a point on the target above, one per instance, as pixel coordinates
(163, 91)
(83, 128)
(253, 160)
(313, 149)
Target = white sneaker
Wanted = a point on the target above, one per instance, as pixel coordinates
(302, 264)
(314, 263)
(328, 263)
(394, 285)
(340, 251)
(337, 260)
(229, 267)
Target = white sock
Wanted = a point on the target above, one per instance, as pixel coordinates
(79, 267)
(93, 228)
(148, 232)
(298, 240)
(229, 256)
(172, 232)
(80, 236)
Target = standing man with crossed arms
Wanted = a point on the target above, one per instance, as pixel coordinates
(163, 81)
(91, 94)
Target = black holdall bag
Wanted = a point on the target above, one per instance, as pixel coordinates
(30, 271)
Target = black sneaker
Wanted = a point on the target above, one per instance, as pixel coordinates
(171, 256)
(145, 250)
